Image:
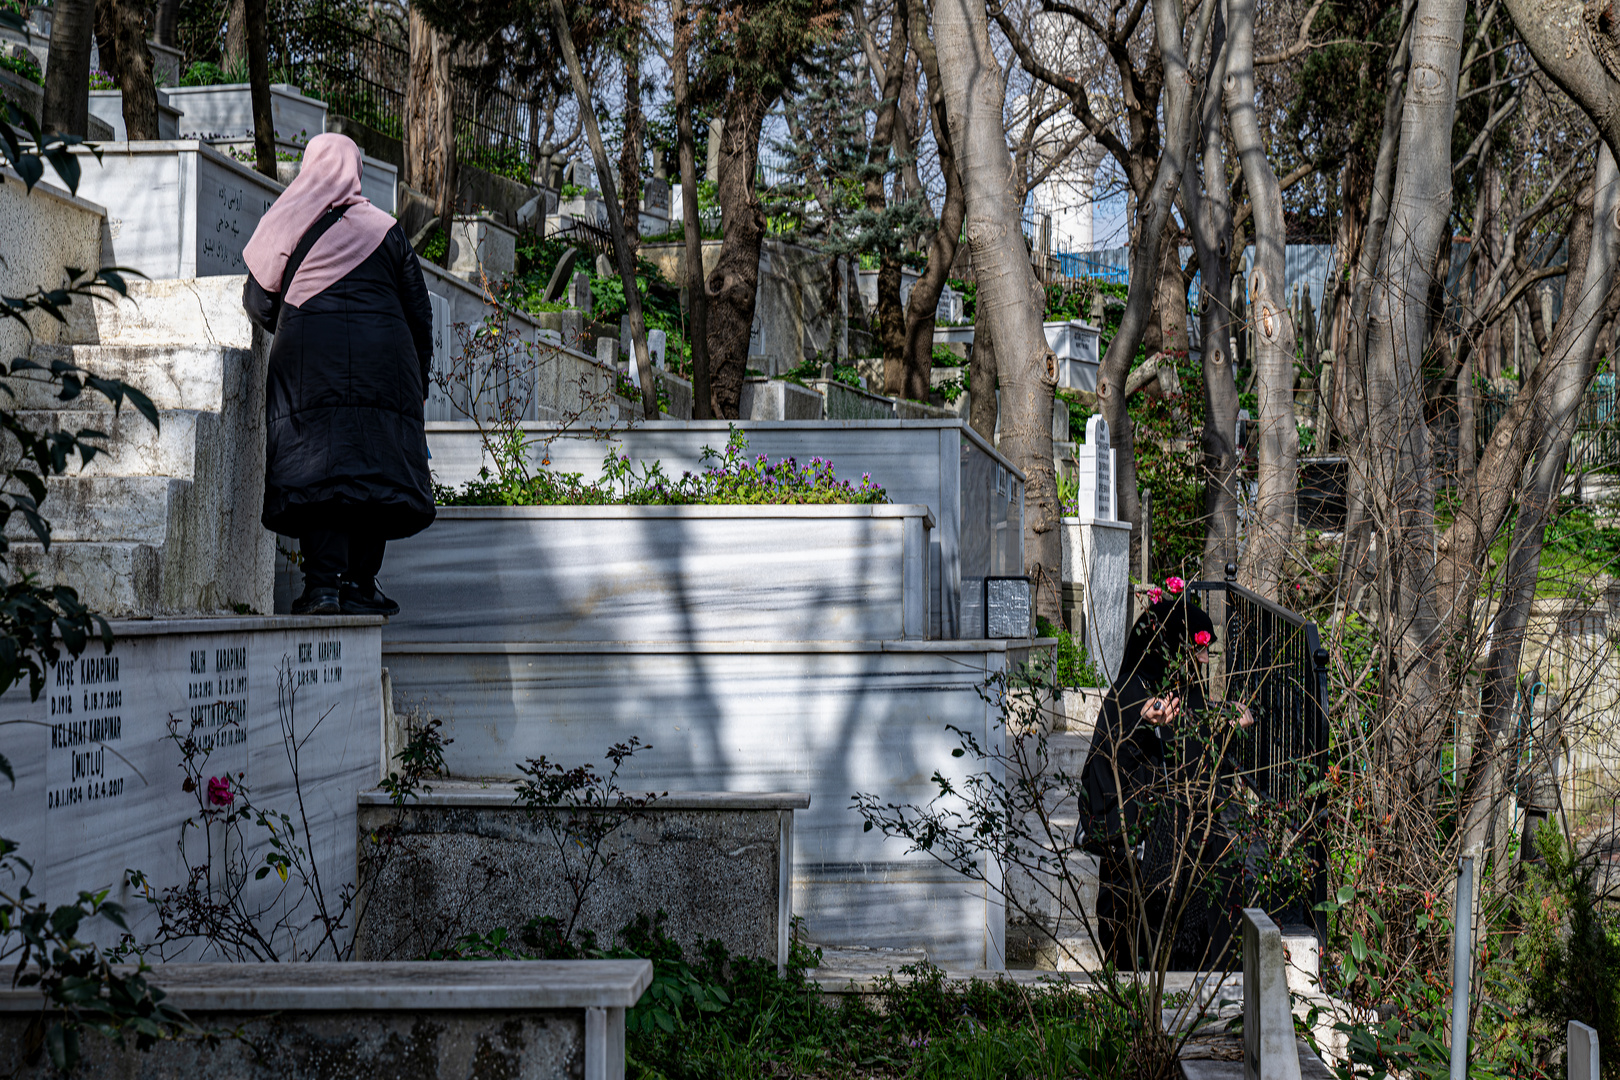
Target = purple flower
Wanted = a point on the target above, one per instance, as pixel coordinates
(219, 791)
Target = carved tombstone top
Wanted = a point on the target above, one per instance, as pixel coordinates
(1097, 460)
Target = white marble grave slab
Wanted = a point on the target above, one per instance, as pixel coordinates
(828, 719)
(226, 112)
(98, 763)
(662, 573)
(175, 209)
(942, 464)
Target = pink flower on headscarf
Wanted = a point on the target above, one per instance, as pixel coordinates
(1202, 639)
(219, 791)
(1174, 585)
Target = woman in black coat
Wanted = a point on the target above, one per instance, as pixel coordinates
(346, 468)
(1151, 751)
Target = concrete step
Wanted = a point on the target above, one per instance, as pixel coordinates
(132, 447)
(192, 312)
(1066, 752)
(133, 509)
(173, 376)
(112, 578)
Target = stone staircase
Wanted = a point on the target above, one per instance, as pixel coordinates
(1051, 936)
(193, 485)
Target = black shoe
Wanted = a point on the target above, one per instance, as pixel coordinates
(370, 602)
(318, 601)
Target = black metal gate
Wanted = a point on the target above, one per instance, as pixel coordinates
(1273, 661)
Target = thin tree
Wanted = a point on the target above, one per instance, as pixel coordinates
(258, 58)
(1010, 301)
(121, 38)
(430, 136)
(697, 297)
(621, 245)
(926, 290)
(1272, 528)
(66, 109)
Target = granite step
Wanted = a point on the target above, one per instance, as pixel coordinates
(117, 578)
(174, 377)
(132, 447)
(190, 312)
(134, 509)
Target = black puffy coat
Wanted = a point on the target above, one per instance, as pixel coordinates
(346, 447)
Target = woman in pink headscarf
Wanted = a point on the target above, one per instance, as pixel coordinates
(346, 469)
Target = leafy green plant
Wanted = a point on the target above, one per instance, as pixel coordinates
(729, 477)
(580, 809)
(26, 66)
(208, 73)
(573, 191)
(435, 245)
(100, 80)
(1568, 954)
(1073, 666)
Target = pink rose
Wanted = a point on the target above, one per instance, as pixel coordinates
(1202, 639)
(219, 791)
(1174, 585)
(1155, 594)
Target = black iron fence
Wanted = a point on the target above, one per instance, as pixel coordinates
(1596, 446)
(363, 78)
(1272, 660)
(358, 75)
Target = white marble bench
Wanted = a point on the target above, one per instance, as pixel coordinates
(536, 1020)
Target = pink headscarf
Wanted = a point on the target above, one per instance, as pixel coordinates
(330, 177)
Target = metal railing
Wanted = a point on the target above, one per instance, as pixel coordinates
(363, 78)
(1273, 661)
(358, 75)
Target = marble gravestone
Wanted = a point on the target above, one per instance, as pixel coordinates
(288, 709)
(1269, 1046)
(1581, 1056)
(1096, 553)
(175, 209)
(657, 345)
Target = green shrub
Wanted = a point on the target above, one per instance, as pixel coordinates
(716, 1015)
(1074, 666)
(28, 68)
(208, 73)
(1568, 954)
(730, 477)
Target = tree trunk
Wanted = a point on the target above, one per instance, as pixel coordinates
(983, 405)
(132, 68)
(697, 296)
(630, 148)
(1207, 196)
(1578, 337)
(236, 32)
(430, 133)
(67, 70)
(888, 132)
(1396, 447)
(621, 245)
(1167, 330)
(1271, 529)
(258, 56)
(166, 23)
(1153, 218)
(1349, 402)
(891, 320)
(735, 282)
(925, 292)
(1009, 298)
